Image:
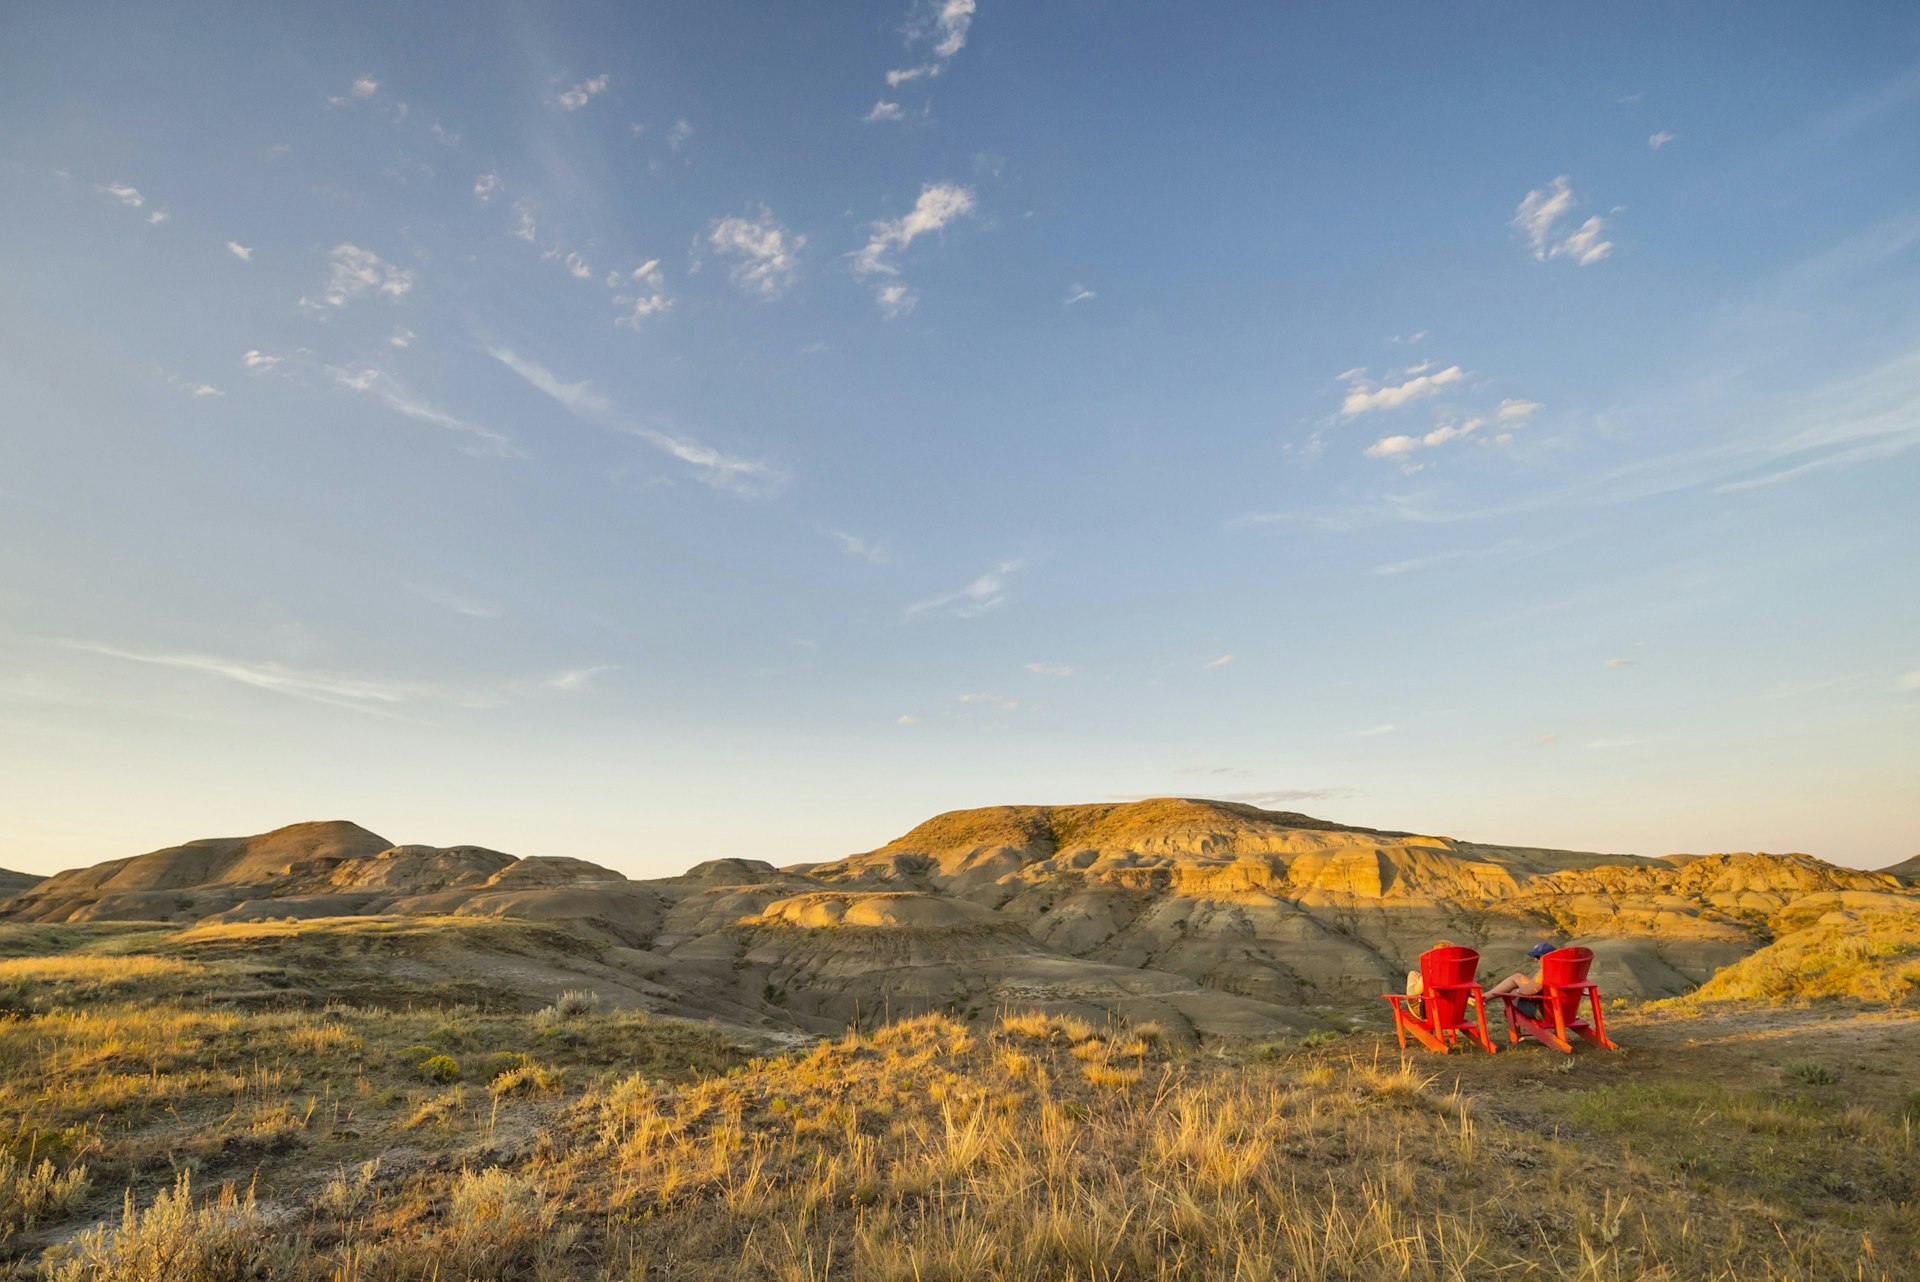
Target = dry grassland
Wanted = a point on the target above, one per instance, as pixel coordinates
(171, 1137)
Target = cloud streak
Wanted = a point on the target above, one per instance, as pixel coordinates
(1364, 399)
(390, 391)
(1538, 218)
(373, 695)
(748, 478)
(938, 205)
(983, 595)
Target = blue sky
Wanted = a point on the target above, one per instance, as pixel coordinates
(658, 432)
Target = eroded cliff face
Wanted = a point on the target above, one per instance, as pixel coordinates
(1209, 916)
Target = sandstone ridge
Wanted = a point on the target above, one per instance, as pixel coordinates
(1209, 916)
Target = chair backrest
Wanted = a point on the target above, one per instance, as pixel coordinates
(1442, 969)
(1566, 966)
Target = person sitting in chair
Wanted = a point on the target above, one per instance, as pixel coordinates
(1524, 985)
(1416, 986)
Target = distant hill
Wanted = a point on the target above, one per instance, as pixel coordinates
(1207, 916)
(12, 883)
(1907, 870)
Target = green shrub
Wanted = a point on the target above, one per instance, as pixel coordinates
(1812, 1072)
(440, 1068)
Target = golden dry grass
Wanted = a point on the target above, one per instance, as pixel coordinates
(1874, 960)
(317, 1146)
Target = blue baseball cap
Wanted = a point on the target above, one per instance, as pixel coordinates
(1541, 949)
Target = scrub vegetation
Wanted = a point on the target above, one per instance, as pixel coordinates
(168, 1116)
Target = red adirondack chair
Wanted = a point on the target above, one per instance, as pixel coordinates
(1450, 1006)
(1563, 975)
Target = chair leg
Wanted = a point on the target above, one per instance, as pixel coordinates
(1599, 1037)
(1560, 1025)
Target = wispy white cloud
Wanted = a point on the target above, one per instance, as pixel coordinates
(125, 193)
(577, 266)
(906, 719)
(950, 27)
(1502, 548)
(581, 94)
(580, 398)
(643, 293)
(984, 594)
(1538, 218)
(1869, 413)
(193, 387)
(883, 111)
(943, 26)
(765, 255)
(1078, 293)
(486, 186)
(1363, 398)
(524, 227)
(939, 204)
(259, 362)
(748, 478)
(1621, 663)
(353, 271)
(157, 216)
(1375, 731)
(1402, 445)
(680, 135)
(872, 552)
(574, 679)
(341, 689)
(1516, 411)
(361, 90)
(443, 135)
(1050, 669)
(1000, 701)
(1661, 139)
(402, 337)
(396, 396)
(243, 252)
(895, 299)
(1220, 662)
(471, 607)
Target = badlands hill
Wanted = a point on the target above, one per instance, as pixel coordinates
(12, 883)
(1210, 917)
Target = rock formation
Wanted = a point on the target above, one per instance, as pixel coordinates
(1208, 916)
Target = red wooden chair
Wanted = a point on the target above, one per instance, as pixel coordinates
(1563, 976)
(1451, 1004)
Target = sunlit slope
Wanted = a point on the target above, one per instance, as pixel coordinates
(1210, 917)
